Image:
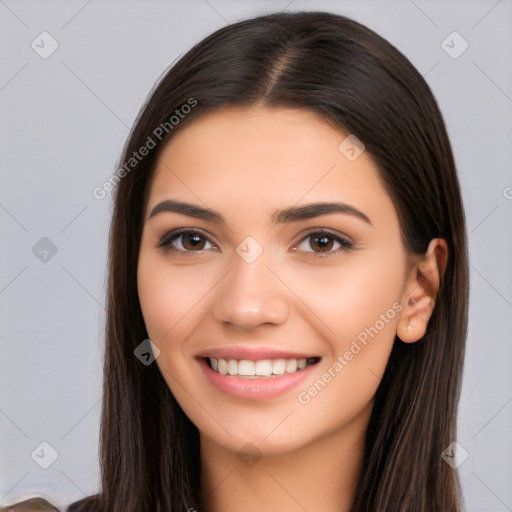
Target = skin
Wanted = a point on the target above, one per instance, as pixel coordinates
(245, 164)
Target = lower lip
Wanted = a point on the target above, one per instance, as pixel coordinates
(255, 389)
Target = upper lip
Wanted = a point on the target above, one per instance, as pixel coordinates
(253, 353)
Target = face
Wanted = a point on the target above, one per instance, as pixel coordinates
(270, 277)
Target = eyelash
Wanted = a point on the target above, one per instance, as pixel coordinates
(166, 241)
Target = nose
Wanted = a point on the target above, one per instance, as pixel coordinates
(250, 296)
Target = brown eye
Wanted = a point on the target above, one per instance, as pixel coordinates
(322, 242)
(193, 241)
(185, 241)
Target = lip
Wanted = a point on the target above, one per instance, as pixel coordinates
(255, 389)
(253, 353)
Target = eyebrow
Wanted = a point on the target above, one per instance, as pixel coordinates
(287, 215)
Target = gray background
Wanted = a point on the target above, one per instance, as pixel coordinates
(64, 120)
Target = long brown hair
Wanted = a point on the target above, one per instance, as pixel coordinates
(359, 82)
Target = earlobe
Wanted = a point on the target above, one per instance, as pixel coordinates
(421, 290)
(414, 320)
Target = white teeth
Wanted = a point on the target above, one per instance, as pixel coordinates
(246, 367)
(291, 366)
(264, 367)
(232, 367)
(278, 366)
(255, 369)
(223, 366)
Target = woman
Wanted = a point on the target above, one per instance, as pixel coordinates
(288, 232)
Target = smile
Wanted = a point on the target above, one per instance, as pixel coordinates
(256, 379)
(259, 369)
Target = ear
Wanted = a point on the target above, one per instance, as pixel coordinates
(421, 289)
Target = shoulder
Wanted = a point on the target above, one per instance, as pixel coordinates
(89, 504)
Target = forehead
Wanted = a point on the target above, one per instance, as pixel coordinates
(249, 158)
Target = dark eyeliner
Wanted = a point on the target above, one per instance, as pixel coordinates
(344, 242)
(166, 241)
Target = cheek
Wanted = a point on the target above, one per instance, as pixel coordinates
(171, 300)
(169, 296)
(343, 301)
(358, 304)
(364, 321)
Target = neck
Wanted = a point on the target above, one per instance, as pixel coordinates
(319, 476)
